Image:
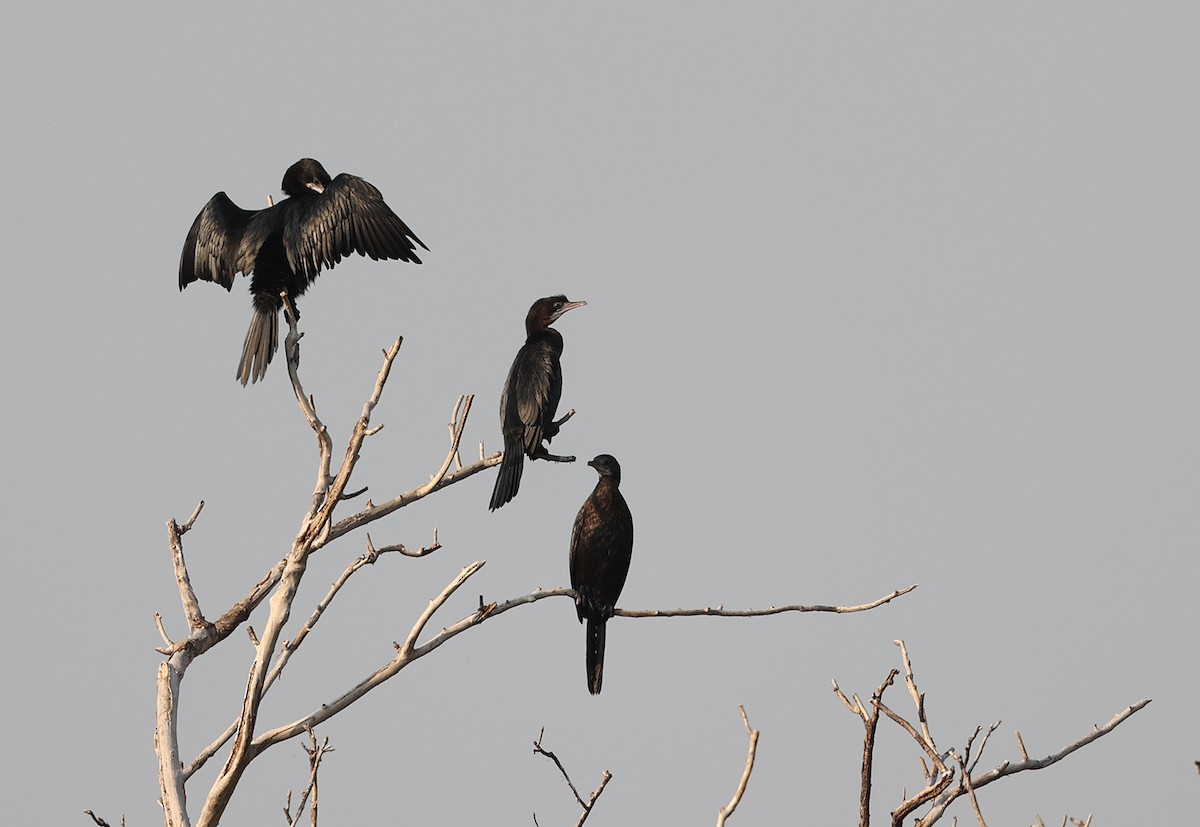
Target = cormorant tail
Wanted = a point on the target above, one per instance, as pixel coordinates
(262, 340)
(509, 478)
(595, 654)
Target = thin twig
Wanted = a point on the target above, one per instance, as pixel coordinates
(587, 806)
(728, 809)
(538, 749)
(1025, 754)
(1007, 768)
(158, 621)
(315, 754)
(456, 431)
(966, 780)
(721, 611)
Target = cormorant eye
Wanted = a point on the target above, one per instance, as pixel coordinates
(558, 305)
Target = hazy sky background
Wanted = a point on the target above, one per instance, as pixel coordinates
(878, 294)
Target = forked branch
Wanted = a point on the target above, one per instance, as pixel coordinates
(315, 753)
(945, 783)
(587, 806)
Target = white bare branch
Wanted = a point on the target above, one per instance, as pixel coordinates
(187, 595)
(726, 811)
(1007, 768)
(944, 784)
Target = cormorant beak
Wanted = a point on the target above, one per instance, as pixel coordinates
(564, 309)
(315, 185)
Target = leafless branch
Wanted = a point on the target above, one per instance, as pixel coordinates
(1007, 768)
(405, 654)
(586, 805)
(403, 549)
(870, 719)
(289, 648)
(944, 784)
(373, 512)
(314, 529)
(272, 651)
(726, 811)
(163, 632)
(191, 605)
(315, 753)
(721, 611)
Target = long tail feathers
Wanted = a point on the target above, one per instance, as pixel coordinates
(595, 654)
(262, 340)
(509, 478)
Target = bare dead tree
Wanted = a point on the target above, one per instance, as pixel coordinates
(319, 527)
(947, 775)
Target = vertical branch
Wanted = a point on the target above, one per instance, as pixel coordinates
(308, 408)
(187, 595)
(314, 528)
(171, 779)
(870, 724)
(166, 740)
(727, 810)
(918, 697)
(362, 430)
(315, 754)
(242, 752)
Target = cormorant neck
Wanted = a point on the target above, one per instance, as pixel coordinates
(608, 483)
(537, 330)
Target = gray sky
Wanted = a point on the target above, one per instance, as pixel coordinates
(879, 294)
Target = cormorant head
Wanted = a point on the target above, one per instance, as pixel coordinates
(306, 177)
(606, 465)
(547, 311)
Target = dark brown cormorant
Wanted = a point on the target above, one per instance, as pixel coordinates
(285, 246)
(530, 397)
(601, 548)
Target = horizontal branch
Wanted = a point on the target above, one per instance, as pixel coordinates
(409, 651)
(721, 611)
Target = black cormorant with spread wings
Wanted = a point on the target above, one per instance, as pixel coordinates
(530, 397)
(283, 248)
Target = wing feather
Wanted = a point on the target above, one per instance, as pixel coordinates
(213, 250)
(350, 216)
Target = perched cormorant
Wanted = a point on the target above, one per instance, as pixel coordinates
(601, 548)
(530, 397)
(285, 246)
